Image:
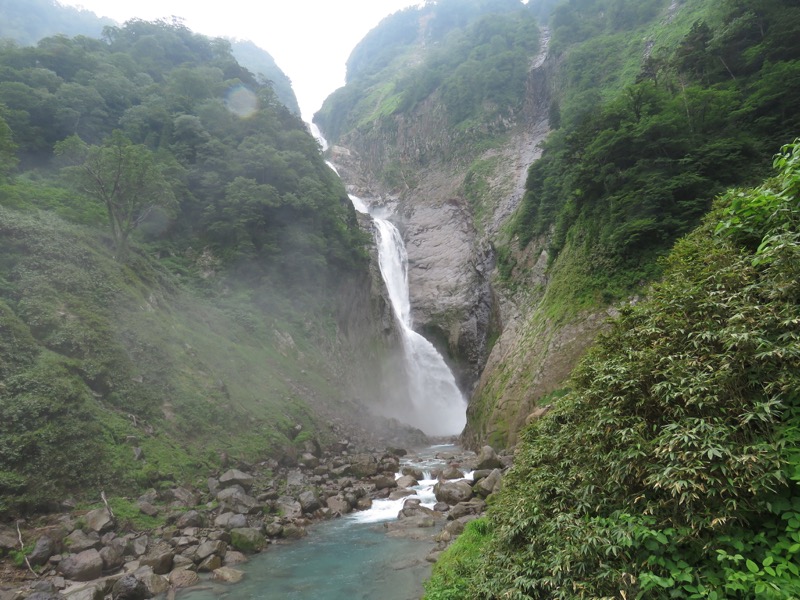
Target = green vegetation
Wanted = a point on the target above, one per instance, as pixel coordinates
(28, 21)
(172, 251)
(639, 155)
(472, 56)
(671, 469)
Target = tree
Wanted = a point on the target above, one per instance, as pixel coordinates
(123, 176)
(8, 158)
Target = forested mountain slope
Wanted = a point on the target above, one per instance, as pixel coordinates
(670, 470)
(654, 107)
(28, 21)
(180, 271)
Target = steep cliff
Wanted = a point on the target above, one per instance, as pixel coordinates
(654, 108)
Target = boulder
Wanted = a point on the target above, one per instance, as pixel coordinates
(292, 531)
(288, 507)
(156, 584)
(211, 563)
(45, 548)
(138, 545)
(130, 588)
(488, 484)
(406, 481)
(338, 505)
(229, 520)
(94, 590)
(185, 497)
(248, 539)
(451, 472)
(113, 555)
(309, 461)
(99, 520)
(309, 501)
(227, 575)
(183, 578)
(190, 518)
(146, 508)
(363, 466)
(77, 541)
(472, 507)
(233, 558)
(414, 472)
(487, 459)
(236, 477)
(159, 559)
(210, 548)
(384, 482)
(84, 566)
(235, 499)
(273, 529)
(452, 492)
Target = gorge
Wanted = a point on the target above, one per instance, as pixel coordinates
(567, 229)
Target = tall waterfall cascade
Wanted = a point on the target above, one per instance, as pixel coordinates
(432, 401)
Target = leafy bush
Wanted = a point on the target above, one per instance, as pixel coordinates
(671, 470)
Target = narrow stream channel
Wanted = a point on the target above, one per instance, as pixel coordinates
(349, 558)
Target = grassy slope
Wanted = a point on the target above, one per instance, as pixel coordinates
(97, 357)
(671, 469)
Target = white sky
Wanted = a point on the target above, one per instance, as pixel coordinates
(309, 39)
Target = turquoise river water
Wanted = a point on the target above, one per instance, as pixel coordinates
(351, 558)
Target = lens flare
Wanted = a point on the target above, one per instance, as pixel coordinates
(241, 101)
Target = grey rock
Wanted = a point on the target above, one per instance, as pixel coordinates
(185, 497)
(273, 530)
(288, 507)
(209, 548)
(99, 520)
(293, 531)
(248, 539)
(472, 507)
(183, 578)
(130, 588)
(210, 564)
(235, 499)
(146, 508)
(159, 559)
(227, 575)
(413, 472)
(138, 546)
(236, 477)
(384, 482)
(407, 481)
(487, 459)
(338, 505)
(230, 520)
(309, 501)
(451, 472)
(45, 548)
(487, 485)
(233, 558)
(113, 555)
(190, 518)
(156, 584)
(452, 492)
(77, 541)
(84, 566)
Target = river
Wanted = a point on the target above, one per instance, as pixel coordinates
(349, 558)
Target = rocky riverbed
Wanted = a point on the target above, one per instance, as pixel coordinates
(207, 533)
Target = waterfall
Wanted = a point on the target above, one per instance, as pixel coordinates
(435, 404)
(432, 402)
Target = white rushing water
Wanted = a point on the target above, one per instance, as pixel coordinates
(433, 402)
